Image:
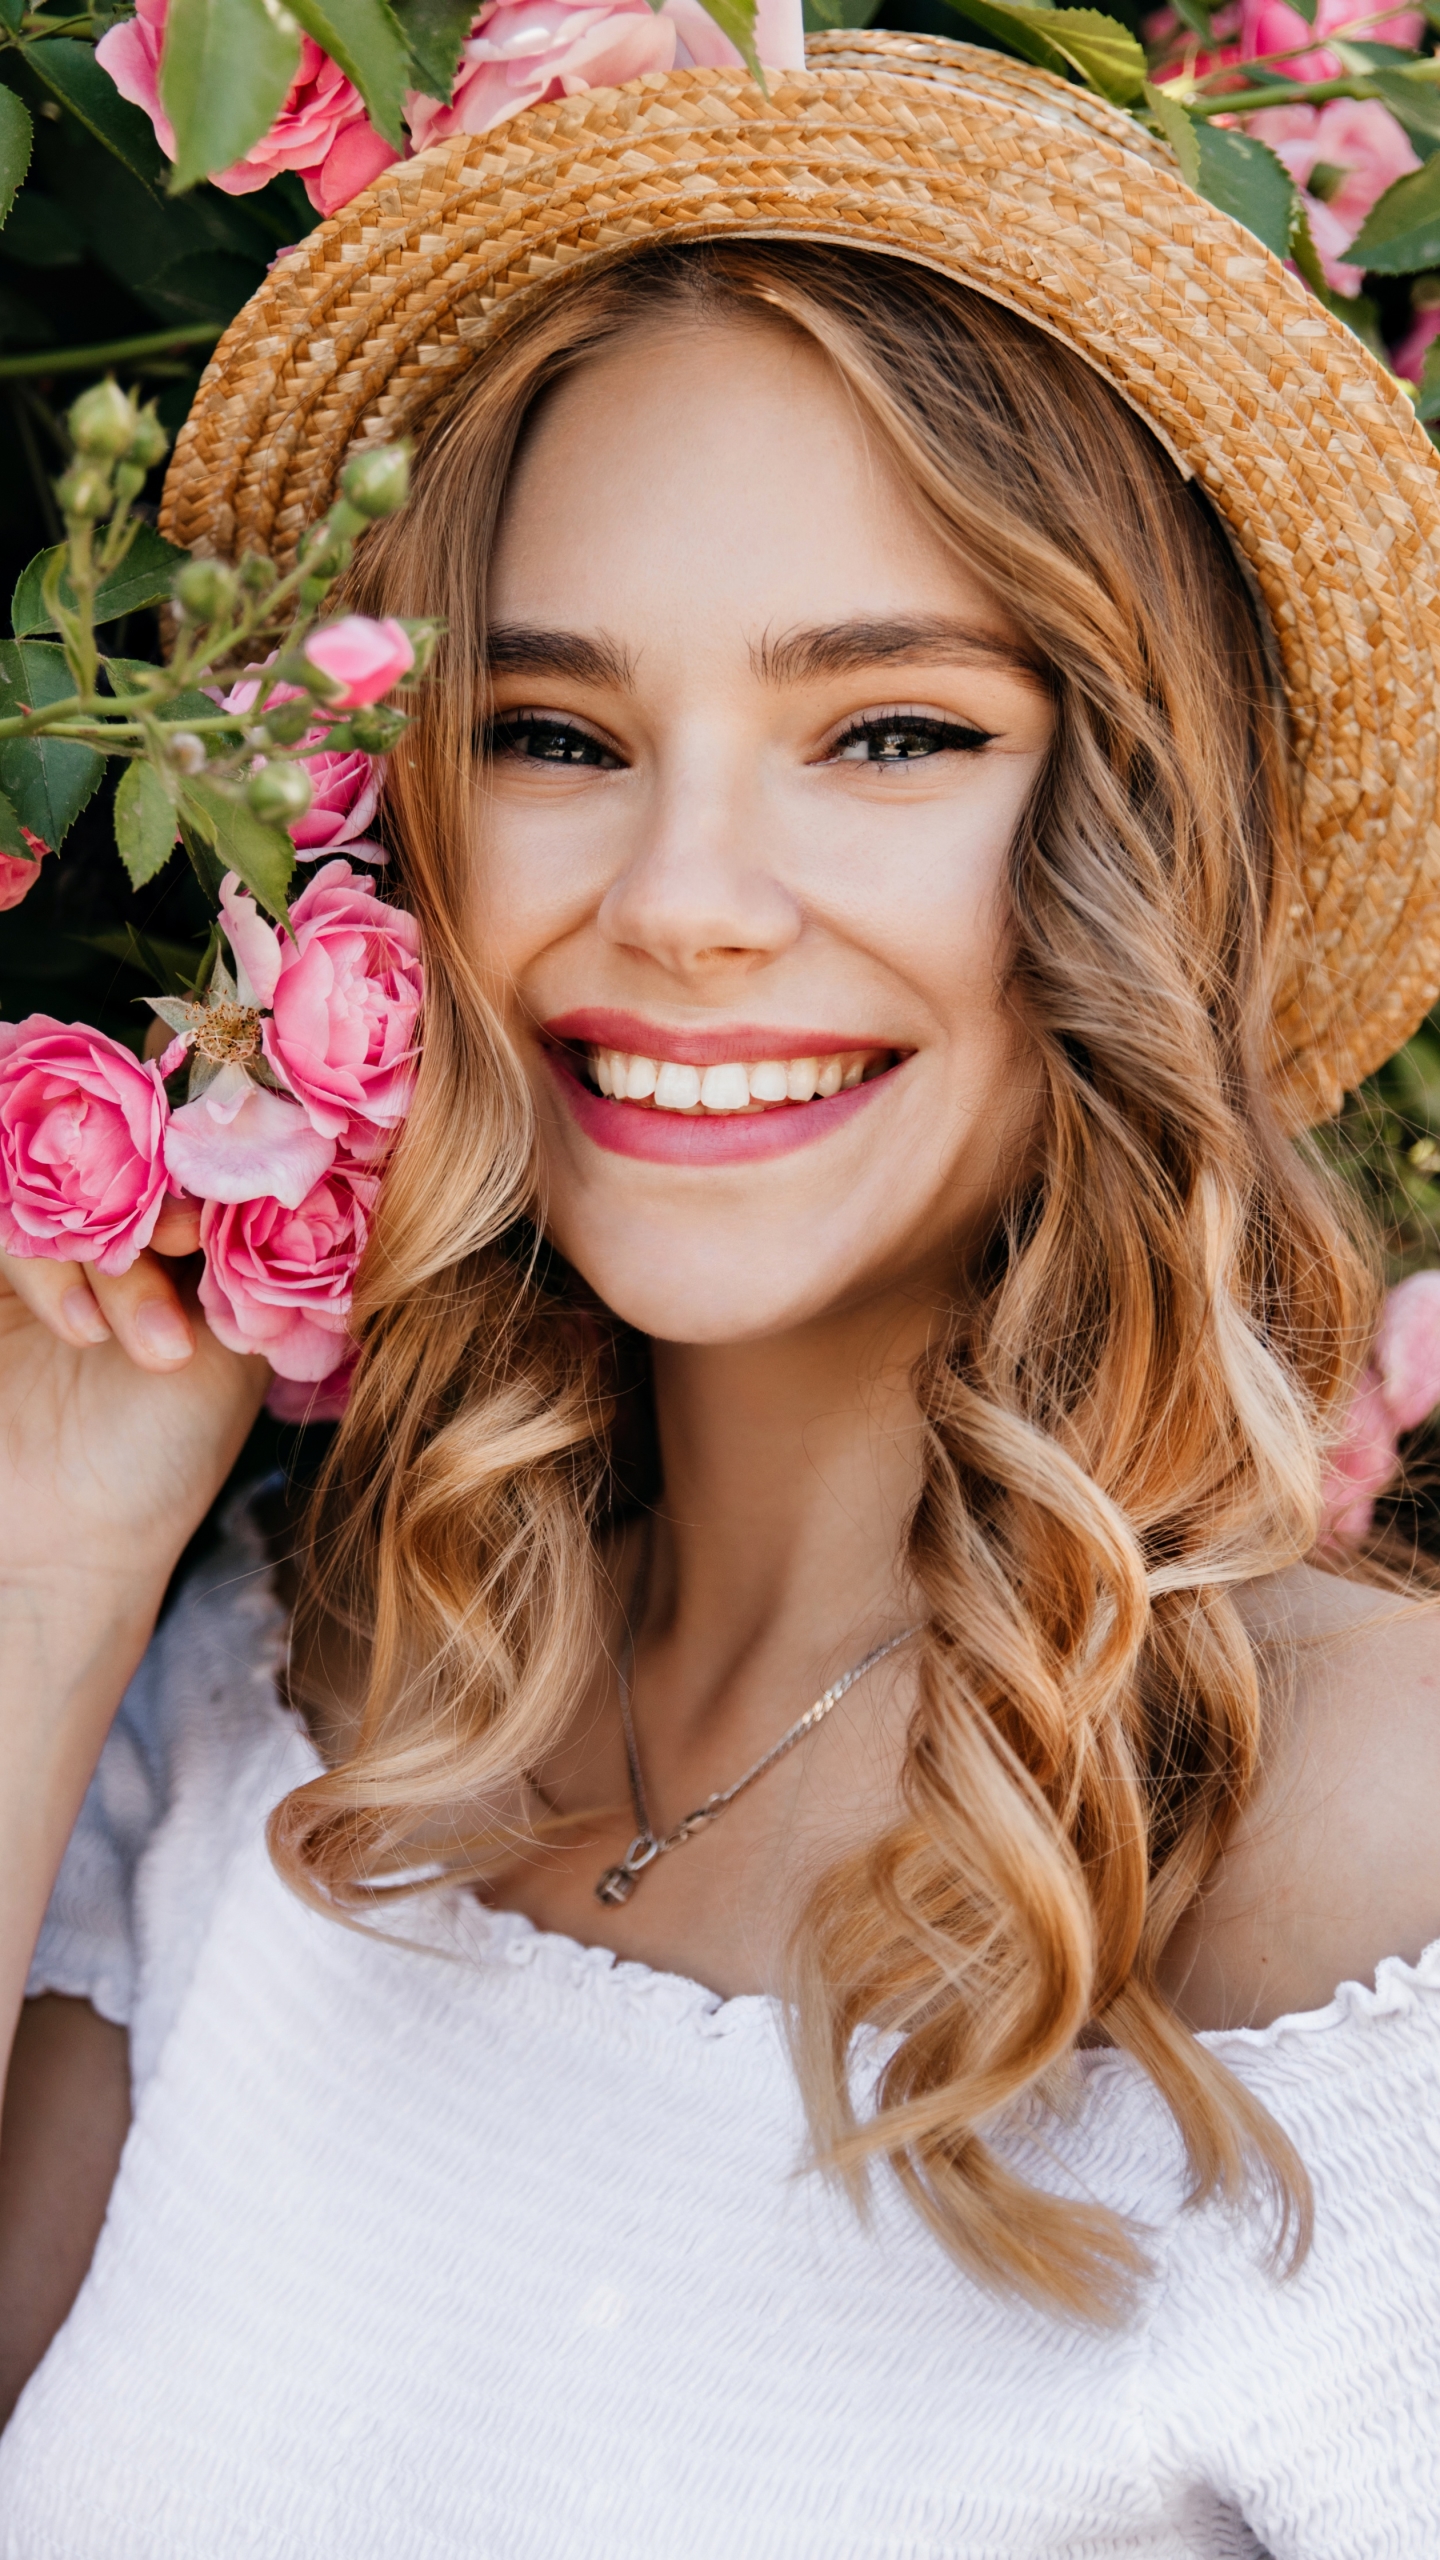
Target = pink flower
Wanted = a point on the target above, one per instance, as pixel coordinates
(300, 1400)
(240, 1141)
(1355, 135)
(522, 51)
(345, 782)
(1400, 1388)
(17, 876)
(322, 131)
(1270, 26)
(280, 1280)
(1408, 359)
(364, 657)
(82, 1126)
(344, 987)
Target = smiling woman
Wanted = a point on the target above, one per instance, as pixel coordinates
(847, 1245)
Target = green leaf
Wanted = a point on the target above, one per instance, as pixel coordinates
(1106, 55)
(172, 965)
(142, 578)
(16, 136)
(1428, 404)
(263, 856)
(72, 74)
(435, 30)
(225, 74)
(838, 13)
(48, 780)
(11, 840)
(736, 19)
(127, 676)
(146, 829)
(40, 233)
(1402, 231)
(364, 37)
(1237, 173)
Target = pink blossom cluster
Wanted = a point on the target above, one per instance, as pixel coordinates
(518, 53)
(286, 1169)
(1399, 1389)
(1357, 143)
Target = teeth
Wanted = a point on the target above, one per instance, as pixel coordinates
(677, 1088)
(734, 1085)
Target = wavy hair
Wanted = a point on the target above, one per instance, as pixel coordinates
(1127, 1416)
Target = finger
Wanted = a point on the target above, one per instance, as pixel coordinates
(145, 1315)
(59, 1294)
(177, 1230)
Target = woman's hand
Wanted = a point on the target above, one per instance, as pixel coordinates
(120, 1414)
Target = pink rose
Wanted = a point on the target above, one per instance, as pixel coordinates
(281, 1280)
(344, 987)
(1408, 359)
(304, 1400)
(364, 657)
(322, 131)
(1355, 135)
(522, 51)
(1399, 1389)
(82, 1126)
(1269, 26)
(240, 1141)
(345, 782)
(17, 876)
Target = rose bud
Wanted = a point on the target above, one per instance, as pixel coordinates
(279, 793)
(378, 483)
(363, 658)
(102, 422)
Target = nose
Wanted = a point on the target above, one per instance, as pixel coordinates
(700, 892)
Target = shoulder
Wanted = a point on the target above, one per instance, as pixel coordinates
(1334, 1866)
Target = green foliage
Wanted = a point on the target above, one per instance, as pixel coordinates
(239, 841)
(143, 578)
(225, 73)
(364, 37)
(47, 780)
(435, 30)
(1104, 53)
(1386, 1142)
(146, 825)
(17, 135)
(70, 71)
(1402, 232)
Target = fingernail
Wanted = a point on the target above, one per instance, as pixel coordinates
(83, 1316)
(161, 1331)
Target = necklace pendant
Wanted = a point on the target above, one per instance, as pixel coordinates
(616, 1885)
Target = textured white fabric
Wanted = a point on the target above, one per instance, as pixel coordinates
(483, 2246)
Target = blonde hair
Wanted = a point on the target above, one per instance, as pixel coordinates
(1127, 1416)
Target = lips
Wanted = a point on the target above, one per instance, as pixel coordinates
(635, 1087)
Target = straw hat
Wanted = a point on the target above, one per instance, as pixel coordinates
(1030, 190)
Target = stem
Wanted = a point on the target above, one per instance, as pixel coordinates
(201, 333)
(1280, 93)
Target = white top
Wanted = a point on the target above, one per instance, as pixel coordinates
(487, 2247)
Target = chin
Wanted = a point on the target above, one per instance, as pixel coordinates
(707, 1288)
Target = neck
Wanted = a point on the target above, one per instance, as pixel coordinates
(790, 1471)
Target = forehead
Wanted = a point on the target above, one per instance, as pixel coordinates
(717, 475)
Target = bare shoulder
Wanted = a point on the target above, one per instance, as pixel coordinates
(1336, 1863)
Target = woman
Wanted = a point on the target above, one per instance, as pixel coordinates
(846, 1241)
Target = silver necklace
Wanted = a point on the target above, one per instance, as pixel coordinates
(619, 1882)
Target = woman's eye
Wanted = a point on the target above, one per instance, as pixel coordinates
(527, 735)
(907, 740)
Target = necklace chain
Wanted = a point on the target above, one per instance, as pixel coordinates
(619, 1882)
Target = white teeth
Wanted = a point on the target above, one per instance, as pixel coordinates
(676, 1088)
(769, 1081)
(725, 1089)
(730, 1086)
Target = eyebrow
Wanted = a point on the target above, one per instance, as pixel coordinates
(528, 649)
(844, 648)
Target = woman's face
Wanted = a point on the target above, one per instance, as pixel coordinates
(759, 749)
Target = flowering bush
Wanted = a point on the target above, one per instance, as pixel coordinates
(344, 988)
(1400, 1389)
(279, 1278)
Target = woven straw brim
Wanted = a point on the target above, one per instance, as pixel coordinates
(1037, 194)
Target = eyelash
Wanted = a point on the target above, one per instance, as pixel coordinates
(506, 736)
(942, 737)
